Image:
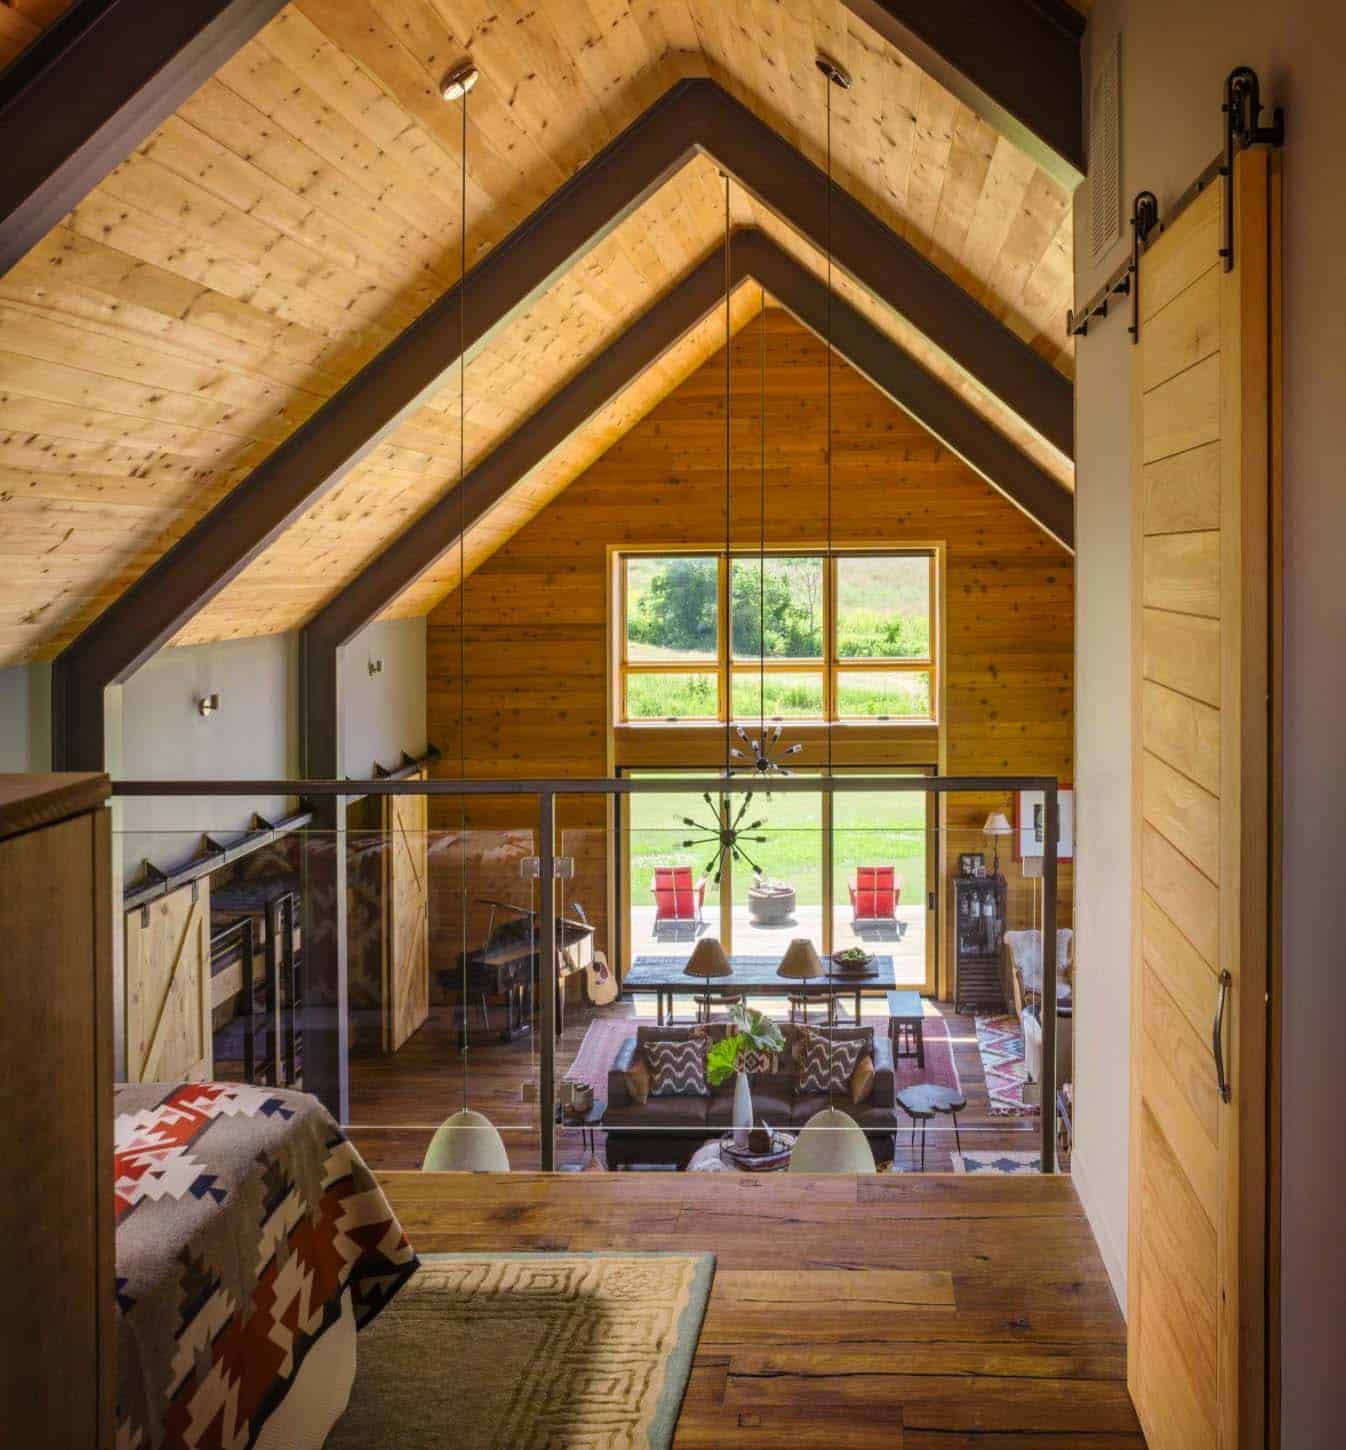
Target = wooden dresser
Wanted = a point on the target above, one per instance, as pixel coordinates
(57, 1340)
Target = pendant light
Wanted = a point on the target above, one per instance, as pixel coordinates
(831, 1141)
(467, 1142)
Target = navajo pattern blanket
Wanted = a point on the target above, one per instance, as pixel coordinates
(243, 1215)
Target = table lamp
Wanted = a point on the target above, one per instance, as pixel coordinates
(708, 960)
(996, 826)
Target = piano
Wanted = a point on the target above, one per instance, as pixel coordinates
(504, 969)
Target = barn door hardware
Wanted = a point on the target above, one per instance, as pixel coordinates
(1144, 219)
(1119, 285)
(563, 868)
(1242, 128)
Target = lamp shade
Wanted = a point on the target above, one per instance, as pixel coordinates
(832, 1142)
(708, 960)
(800, 961)
(997, 825)
(466, 1143)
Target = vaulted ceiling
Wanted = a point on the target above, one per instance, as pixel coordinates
(302, 209)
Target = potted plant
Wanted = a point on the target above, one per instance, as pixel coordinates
(752, 1032)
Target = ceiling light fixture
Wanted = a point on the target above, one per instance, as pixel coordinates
(458, 82)
(727, 834)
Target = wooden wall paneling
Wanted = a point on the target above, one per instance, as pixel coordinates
(537, 610)
(168, 998)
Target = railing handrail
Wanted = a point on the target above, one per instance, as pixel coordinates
(597, 785)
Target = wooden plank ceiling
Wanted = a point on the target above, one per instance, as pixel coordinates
(302, 208)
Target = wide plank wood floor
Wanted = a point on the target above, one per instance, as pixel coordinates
(904, 1311)
(397, 1100)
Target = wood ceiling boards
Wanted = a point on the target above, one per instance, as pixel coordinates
(301, 209)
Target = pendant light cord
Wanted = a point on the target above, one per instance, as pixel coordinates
(728, 542)
(828, 562)
(462, 582)
(761, 527)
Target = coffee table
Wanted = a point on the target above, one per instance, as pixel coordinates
(709, 1159)
(923, 1101)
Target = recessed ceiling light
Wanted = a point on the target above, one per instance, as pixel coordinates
(458, 82)
(833, 70)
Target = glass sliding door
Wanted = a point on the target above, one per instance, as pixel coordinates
(882, 847)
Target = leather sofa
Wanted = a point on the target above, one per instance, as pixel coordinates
(668, 1130)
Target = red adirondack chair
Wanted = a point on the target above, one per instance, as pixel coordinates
(676, 899)
(875, 893)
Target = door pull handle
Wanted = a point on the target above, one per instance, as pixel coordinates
(1217, 1037)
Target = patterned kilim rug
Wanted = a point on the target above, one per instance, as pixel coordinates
(993, 1162)
(1001, 1045)
(481, 1351)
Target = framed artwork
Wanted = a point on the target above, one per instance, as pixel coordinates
(1028, 823)
(971, 863)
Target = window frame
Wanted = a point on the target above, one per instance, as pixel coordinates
(828, 667)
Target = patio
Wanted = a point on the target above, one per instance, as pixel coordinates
(905, 942)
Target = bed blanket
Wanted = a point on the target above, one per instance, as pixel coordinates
(243, 1215)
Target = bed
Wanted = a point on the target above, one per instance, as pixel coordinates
(252, 1242)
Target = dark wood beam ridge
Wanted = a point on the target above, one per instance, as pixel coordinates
(1016, 63)
(693, 116)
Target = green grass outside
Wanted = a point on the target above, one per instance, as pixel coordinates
(869, 830)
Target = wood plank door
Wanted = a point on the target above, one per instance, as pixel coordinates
(1203, 479)
(168, 995)
(406, 907)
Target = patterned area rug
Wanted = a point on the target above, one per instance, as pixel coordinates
(992, 1162)
(530, 1351)
(1001, 1045)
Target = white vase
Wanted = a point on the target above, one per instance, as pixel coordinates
(742, 1111)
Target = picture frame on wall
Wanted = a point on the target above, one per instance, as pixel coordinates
(1029, 806)
(971, 863)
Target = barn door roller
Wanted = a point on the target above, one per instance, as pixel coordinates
(1243, 114)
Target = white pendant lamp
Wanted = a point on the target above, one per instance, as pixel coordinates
(832, 1142)
(467, 1142)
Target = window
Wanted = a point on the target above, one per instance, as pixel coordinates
(803, 637)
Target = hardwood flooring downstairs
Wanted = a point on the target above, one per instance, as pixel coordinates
(904, 1311)
(397, 1100)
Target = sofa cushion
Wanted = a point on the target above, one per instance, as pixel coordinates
(871, 1118)
(773, 1106)
(638, 1080)
(677, 1068)
(862, 1080)
(827, 1065)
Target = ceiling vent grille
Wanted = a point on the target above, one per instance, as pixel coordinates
(1105, 147)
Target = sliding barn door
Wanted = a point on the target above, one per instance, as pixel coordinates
(406, 925)
(1202, 451)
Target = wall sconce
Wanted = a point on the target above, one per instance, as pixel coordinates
(376, 667)
(208, 704)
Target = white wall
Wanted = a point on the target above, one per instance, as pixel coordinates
(25, 718)
(1175, 55)
(383, 714)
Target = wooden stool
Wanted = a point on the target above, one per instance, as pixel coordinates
(799, 1008)
(922, 1101)
(725, 999)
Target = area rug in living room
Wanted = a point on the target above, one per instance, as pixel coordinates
(1001, 1045)
(993, 1162)
(530, 1350)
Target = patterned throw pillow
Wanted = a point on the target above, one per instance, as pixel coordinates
(677, 1068)
(755, 1061)
(827, 1066)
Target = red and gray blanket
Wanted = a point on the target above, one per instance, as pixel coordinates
(243, 1215)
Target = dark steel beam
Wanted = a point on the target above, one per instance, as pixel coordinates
(753, 256)
(694, 116)
(897, 374)
(1016, 63)
(90, 89)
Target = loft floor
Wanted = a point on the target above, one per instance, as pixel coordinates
(913, 1313)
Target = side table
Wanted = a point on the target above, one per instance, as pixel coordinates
(906, 1026)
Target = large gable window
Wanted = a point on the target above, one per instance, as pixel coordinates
(804, 637)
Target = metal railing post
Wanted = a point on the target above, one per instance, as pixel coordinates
(1050, 837)
(547, 973)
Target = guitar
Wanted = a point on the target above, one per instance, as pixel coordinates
(600, 981)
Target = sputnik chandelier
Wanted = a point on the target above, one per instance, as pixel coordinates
(727, 835)
(764, 750)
